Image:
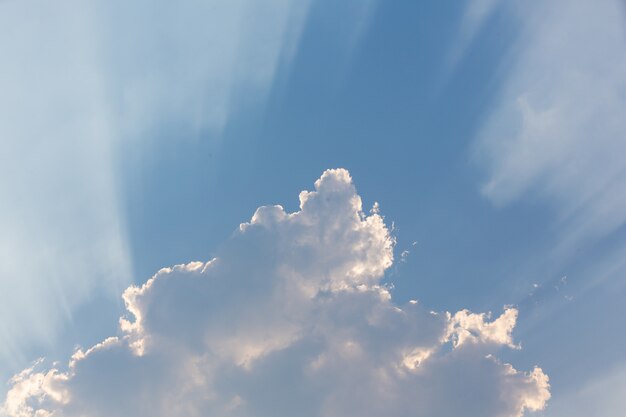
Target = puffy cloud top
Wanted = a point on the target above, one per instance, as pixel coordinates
(289, 319)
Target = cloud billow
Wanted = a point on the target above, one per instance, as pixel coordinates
(291, 318)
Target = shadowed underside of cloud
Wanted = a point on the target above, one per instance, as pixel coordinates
(289, 319)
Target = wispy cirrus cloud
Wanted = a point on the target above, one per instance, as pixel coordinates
(556, 136)
(473, 19)
(62, 233)
(79, 81)
(290, 318)
(557, 131)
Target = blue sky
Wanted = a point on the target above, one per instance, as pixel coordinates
(137, 137)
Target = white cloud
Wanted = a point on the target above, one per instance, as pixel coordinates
(289, 319)
(558, 130)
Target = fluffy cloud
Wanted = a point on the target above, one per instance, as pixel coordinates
(289, 319)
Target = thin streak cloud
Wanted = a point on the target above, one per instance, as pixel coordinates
(80, 82)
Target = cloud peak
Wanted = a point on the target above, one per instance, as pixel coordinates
(291, 318)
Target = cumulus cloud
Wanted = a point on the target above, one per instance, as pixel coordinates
(291, 318)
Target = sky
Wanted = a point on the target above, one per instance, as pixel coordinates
(313, 207)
